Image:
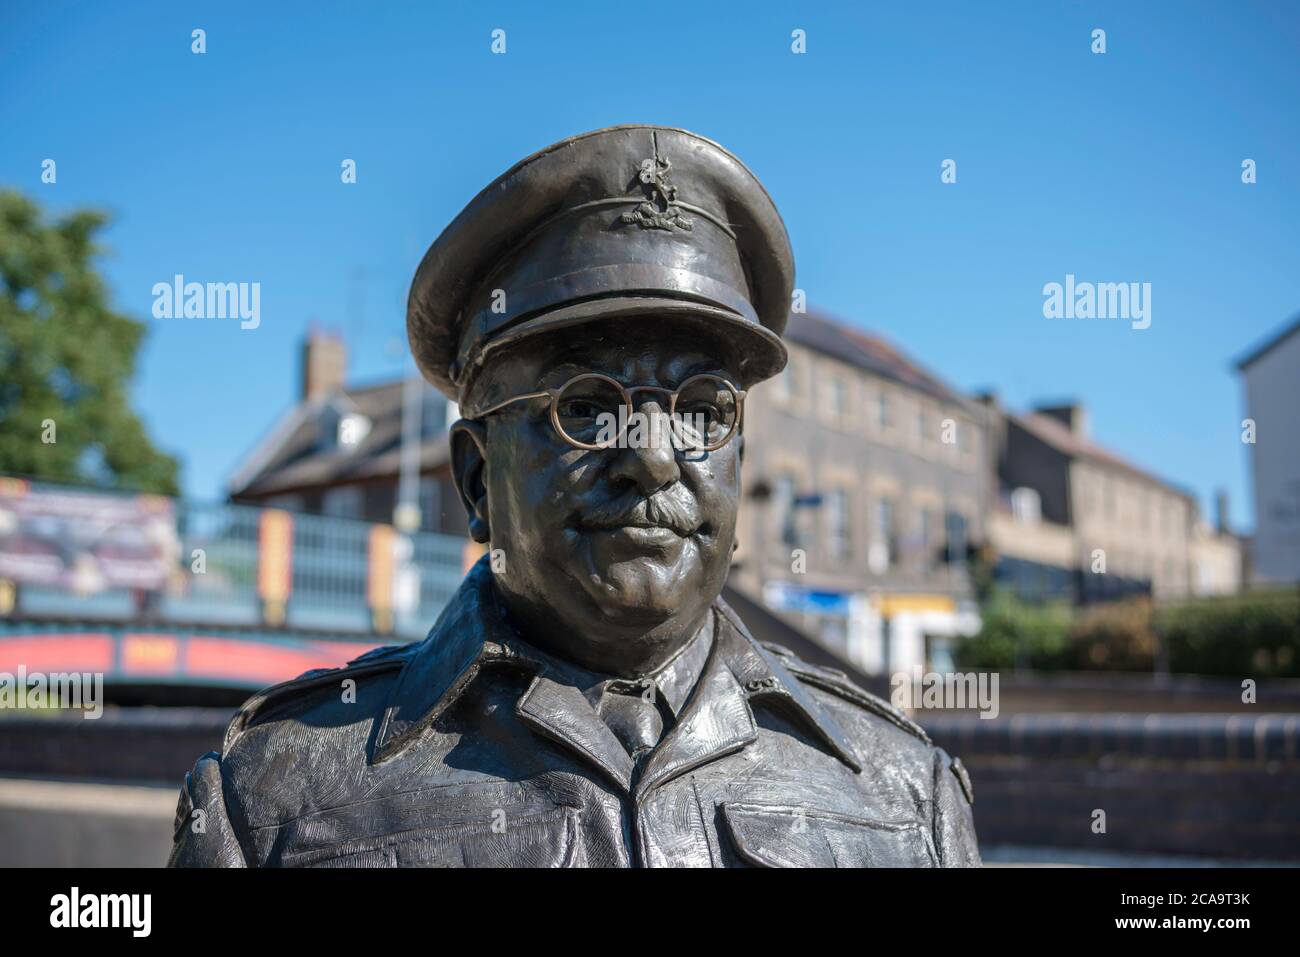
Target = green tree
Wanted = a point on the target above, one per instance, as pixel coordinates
(1016, 634)
(67, 358)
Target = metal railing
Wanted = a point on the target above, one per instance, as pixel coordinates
(228, 565)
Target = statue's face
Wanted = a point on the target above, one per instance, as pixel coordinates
(612, 556)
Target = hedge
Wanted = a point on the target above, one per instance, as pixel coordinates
(1255, 634)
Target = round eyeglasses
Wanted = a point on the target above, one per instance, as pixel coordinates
(593, 411)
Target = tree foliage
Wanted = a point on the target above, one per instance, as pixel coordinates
(67, 357)
(1016, 634)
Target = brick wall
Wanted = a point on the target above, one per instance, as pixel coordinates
(1223, 785)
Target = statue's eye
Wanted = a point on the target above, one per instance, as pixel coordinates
(587, 404)
(708, 411)
(579, 409)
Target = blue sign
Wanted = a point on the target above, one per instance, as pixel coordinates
(783, 596)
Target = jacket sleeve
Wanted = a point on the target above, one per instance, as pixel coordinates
(204, 836)
(954, 825)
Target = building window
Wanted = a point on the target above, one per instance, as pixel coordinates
(1087, 496)
(955, 533)
(883, 544)
(433, 413)
(781, 385)
(342, 502)
(837, 523)
(926, 535)
(783, 509)
(921, 424)
(838, 398)
(430, 504)
(790, 381)
(882, 409)
(1026, 506)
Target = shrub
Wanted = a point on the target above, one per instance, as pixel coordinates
(1116, 636)
(1256, 634)
(1015, 634)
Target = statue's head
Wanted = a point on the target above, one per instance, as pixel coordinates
(600, 312)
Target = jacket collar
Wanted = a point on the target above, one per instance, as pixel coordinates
(472, 636)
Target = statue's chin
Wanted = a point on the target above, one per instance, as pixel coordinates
(642, 589)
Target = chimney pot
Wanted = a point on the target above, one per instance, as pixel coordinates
(324, 364)
(1072, 415)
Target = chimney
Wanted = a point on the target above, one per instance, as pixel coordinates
(324, 364)
(1221, 520)
(1070, 414)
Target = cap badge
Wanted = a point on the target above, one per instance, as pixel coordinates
(659, 210)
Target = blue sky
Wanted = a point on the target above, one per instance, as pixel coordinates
(1117, 167)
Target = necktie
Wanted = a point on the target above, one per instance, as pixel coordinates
(628, 708)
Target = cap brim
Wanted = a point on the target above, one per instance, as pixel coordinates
(760, 351)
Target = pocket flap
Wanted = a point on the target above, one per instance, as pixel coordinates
(771, 835)
(533, 840)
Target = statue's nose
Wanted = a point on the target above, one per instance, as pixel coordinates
(647, 459)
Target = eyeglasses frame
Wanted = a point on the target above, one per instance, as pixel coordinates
(626, 392)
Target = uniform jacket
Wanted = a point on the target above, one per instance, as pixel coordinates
(469, 749)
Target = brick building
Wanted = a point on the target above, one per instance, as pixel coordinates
(1073, 520)
(337, 451)
(865, 488)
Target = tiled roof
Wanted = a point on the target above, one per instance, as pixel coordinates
(1058, 435)
(868, 352)
(296, 460)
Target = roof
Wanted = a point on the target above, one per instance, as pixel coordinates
(1275, 340)
(290, 457)
(1058, 435)
(868, 352)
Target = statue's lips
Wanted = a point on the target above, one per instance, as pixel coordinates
(662, 521)
(658, 536)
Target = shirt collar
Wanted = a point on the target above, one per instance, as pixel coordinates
(677, 679)
(732, 671)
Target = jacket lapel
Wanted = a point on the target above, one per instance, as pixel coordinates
(561, 713)
(472, 635)
(768, 683)
(716, 721)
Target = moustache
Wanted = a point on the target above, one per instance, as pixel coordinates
(673, 508)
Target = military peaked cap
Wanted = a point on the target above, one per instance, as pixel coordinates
(644, 223)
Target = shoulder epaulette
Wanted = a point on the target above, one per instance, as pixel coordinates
(386, 658)
(841, 685)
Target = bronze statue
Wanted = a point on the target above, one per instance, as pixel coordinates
(587, 699)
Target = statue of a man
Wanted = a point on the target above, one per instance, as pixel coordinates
(598, 312)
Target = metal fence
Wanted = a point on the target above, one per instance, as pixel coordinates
(228, 565)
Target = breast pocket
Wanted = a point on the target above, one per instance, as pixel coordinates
(541, 839)
(769, 835)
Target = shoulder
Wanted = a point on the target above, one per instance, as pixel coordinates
(871, 718)
(844, 691)
(324, 693)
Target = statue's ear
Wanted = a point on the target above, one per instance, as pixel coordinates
(468, 456)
